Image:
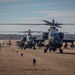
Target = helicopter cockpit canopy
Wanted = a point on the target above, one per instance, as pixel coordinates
(29, 37)
(53, 33)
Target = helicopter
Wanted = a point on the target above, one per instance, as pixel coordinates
(28, 40)
(55, 39)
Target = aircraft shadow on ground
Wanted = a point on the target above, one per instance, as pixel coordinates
(70, 48)
(66, 53)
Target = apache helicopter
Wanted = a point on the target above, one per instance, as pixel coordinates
(28, 40)
(53, 38)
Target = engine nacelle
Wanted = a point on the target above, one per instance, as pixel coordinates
(45, 35)
(61, 35)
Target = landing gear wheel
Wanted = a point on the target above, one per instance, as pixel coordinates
(72, 46)
(61, 51)
(45, 50)
(24, 48)
(49, 50)
(34, 48)
(65, 46)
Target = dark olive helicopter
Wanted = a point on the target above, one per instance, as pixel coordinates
(54, 39)
(28, 40)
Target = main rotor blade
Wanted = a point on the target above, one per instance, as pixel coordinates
(58, 26)
(47, 22)
(68, 24)
(55, 24)
(9, 31)
(20, 31)
(30, 31)
(20, 24)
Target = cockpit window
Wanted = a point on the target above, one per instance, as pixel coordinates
(54, 33)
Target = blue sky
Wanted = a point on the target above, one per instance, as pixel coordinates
(34, 11)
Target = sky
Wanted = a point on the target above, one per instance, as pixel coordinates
(34, 11)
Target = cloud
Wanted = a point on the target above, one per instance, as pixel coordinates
(31, 20)
(48, 15)
(7, 0)
(2, 1)
(57, 13)
(28, 3)
(65, 16)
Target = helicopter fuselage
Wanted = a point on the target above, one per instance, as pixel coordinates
(55, 40)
